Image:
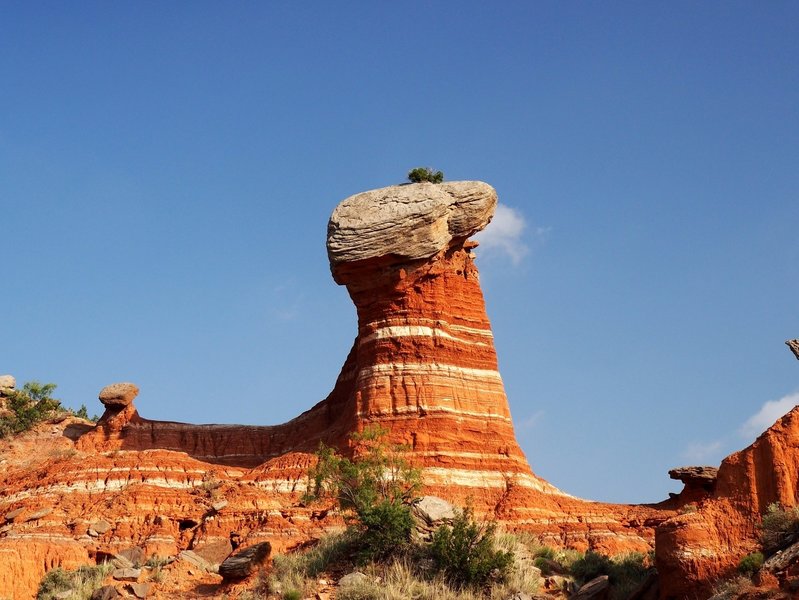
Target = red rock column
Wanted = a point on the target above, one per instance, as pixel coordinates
(424, 364)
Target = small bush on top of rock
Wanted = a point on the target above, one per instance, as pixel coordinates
(420, 174)
(465, 553)
(779, 528)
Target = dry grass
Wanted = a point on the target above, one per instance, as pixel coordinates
(410, 577)
(732, 588)
(81, 582)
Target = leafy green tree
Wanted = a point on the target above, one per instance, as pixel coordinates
(420, 174)
(375, 490)
(28, 406)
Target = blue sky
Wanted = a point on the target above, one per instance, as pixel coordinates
(167, 171)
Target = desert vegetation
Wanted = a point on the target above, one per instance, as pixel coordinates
(378, 557)
(77, 585)
(33, 404)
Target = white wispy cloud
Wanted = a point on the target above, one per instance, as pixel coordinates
(531, 420)
(507, 234)
(768, 413)
(712, 452)
(703, 452)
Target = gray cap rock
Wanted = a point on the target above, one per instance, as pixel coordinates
(118, 394)
(411, 221)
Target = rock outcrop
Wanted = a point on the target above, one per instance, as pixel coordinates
(118, 395)
(794, 347)
(695, 549)
(7, 384)
(699, 483)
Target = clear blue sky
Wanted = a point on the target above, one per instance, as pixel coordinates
(167, 171)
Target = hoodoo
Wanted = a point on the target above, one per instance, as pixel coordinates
(423, 364)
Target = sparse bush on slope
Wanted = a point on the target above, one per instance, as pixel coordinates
(27, 407)
(81, 582)
(465, 553)
(779, 528)
(374, 489)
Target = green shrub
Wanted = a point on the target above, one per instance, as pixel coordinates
(751, 563)
(292, 594)
(29, 406)
(420, 174)
(375, 490)
(591, 565)
(81, 582)
(780, 527)
(466, 555)
(624, 572)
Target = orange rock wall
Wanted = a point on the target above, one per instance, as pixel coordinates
(695, 549)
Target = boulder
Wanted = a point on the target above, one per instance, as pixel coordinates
(42, 512)
(596, 589)
(7, 384)
(99, 528)
(12, 514)
(434, 510)
(118, 395)
(783, 559)
(214, 551)
(121, 562)
(243, 563)
(407, 221)
(126, 574)
(140, 590)
(197, 560)
(351, 579)
(134, 554)
(107, 592)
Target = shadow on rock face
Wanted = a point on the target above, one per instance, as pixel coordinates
(75, 430)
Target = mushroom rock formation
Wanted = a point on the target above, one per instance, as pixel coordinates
(423, 364)
(694, 549)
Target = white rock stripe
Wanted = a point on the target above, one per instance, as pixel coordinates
(414, 410)
(486, 479)
(429, 369)
(399, 331)
(433, 323)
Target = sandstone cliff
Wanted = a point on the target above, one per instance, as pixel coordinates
(695, 549)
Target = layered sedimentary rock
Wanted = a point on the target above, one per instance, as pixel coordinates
(695, 549)
(423, 366)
